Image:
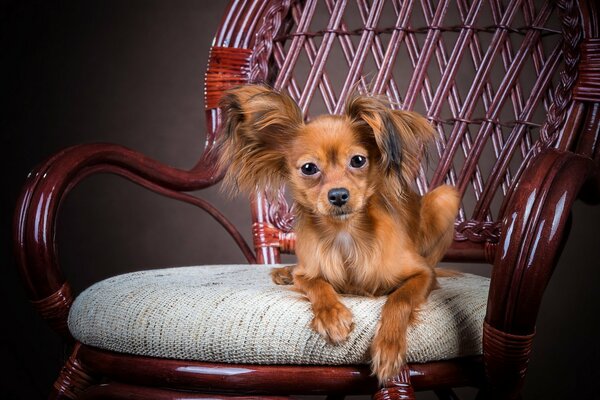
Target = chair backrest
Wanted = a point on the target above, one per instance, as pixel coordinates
(498, 80)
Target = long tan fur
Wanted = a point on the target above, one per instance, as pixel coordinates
(360, 227)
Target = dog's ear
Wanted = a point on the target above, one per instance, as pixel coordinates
(258, 125)
(401, 137)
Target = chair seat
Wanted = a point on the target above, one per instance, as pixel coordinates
(234, 313)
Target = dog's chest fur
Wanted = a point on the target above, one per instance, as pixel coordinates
(364, 256)
(345, 244)
(352, 264)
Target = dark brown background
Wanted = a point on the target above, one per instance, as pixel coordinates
(131, 72)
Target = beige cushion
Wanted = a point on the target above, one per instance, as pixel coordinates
(236, 314)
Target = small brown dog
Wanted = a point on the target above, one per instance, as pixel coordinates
(360, 228)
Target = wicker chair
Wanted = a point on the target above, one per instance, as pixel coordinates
(513, 89)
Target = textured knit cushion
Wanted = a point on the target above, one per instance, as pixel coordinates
(236, 314)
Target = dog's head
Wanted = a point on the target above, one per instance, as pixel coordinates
(333, 164)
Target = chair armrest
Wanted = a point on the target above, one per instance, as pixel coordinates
(535, 226)
(46, 187)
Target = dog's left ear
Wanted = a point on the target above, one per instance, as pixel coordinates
(400, 136)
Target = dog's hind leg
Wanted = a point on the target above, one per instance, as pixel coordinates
(438, 212)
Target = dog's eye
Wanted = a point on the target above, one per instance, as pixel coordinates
(309, 169)
(358, 161)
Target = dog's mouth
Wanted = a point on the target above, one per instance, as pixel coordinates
(341, 214)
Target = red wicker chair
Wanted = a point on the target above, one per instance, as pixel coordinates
(512, 87)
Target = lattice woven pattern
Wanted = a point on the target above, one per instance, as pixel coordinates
(494, 78)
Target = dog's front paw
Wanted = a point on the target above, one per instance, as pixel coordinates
(388, 352)
(283, 275)
(333, 322)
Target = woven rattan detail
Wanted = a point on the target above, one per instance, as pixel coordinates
(270, 236)
(55, 308)
(227, 67)
(588, 83)
(263, 48)
(502, 349)
(476, 231)
(572, 35)
(73, 379)
(494, 78)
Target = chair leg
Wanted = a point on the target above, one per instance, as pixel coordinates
(73, 379)
(397, 388)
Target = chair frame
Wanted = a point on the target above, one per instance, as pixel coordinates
(531, 238)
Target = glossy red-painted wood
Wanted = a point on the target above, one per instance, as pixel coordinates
(399, 387)
(269, 379)
(262, 41)
(73, 378)
(535, 222)
(536, 225)
(44, 191)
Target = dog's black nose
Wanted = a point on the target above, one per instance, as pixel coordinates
(338, 197)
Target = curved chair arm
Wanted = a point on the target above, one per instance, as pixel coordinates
(536, 222)
(46, 187)
(535, 225)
